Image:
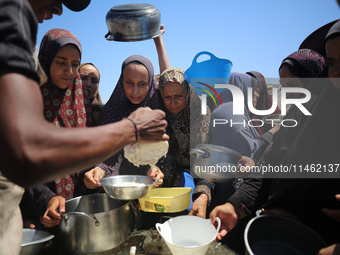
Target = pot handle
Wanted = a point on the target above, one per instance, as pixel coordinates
(203, 153)
(212, 56)
(108, 37)
(80, 214)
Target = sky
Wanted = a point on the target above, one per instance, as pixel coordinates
(253, 35)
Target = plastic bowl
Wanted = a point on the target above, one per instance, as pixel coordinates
(187, 235)
(116, 186)
(33, 241)
(166, 200)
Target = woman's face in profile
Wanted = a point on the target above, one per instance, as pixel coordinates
(174, 97)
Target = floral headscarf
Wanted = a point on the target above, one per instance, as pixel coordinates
(188, 127)
(305, 63)
(62, 107)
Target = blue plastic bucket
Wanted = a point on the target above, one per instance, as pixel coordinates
(212, 71)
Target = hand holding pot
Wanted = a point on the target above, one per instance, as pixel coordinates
(92, 177)
(244, 166)
(52, 217)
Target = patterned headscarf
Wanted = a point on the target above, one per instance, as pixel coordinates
(119, 106)
(305, 63)
(64, 108)
(264, 102)
(188, 127)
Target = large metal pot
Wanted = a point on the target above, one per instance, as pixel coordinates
(94, 223)
(270, 234)
(33, 241)
(133, 22)
(214, 163)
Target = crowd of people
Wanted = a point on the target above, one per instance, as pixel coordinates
(64, 139)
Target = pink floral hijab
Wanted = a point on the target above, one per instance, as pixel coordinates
(63, 107)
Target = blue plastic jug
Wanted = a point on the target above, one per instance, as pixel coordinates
(212, 71)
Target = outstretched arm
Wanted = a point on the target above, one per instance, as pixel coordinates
(35, 151)
(162, 57)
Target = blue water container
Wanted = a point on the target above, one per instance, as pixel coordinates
(212, 71)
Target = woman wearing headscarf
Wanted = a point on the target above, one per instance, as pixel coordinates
(90, 78)
(187, 127)
(299, 68)
(135, 88)
(264, 101)
(65, 106)
(314, 142)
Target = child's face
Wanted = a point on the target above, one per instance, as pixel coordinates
(136, 82)
(65, 66)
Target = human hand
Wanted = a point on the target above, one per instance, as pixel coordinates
(275, 129)
(229, 217)
(334, 214)
(51, 217)
(151, 124)
(162, 29)
(92, 177)
(244, 166)
(199, 206)
(330, 250)
(156, 173)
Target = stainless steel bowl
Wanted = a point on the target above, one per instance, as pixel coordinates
(214, 163)
(133, 22)
(33, 241)
(114, 186)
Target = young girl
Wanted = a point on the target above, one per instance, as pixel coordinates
(136, 88)
(65, 106)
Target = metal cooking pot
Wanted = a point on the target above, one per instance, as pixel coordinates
(270, 234)
(133, 22)
(33, 241)
(94, 223)
(214, 163)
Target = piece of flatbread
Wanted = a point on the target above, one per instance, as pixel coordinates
(146, 153)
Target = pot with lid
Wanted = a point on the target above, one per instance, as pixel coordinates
(133, 22)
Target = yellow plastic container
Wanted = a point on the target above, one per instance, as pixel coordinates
(166, 200)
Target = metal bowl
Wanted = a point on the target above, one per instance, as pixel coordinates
(33, 241)
(114, 186)
(133, 22)
(214, 163)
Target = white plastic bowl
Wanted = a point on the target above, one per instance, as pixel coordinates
(188, 234)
